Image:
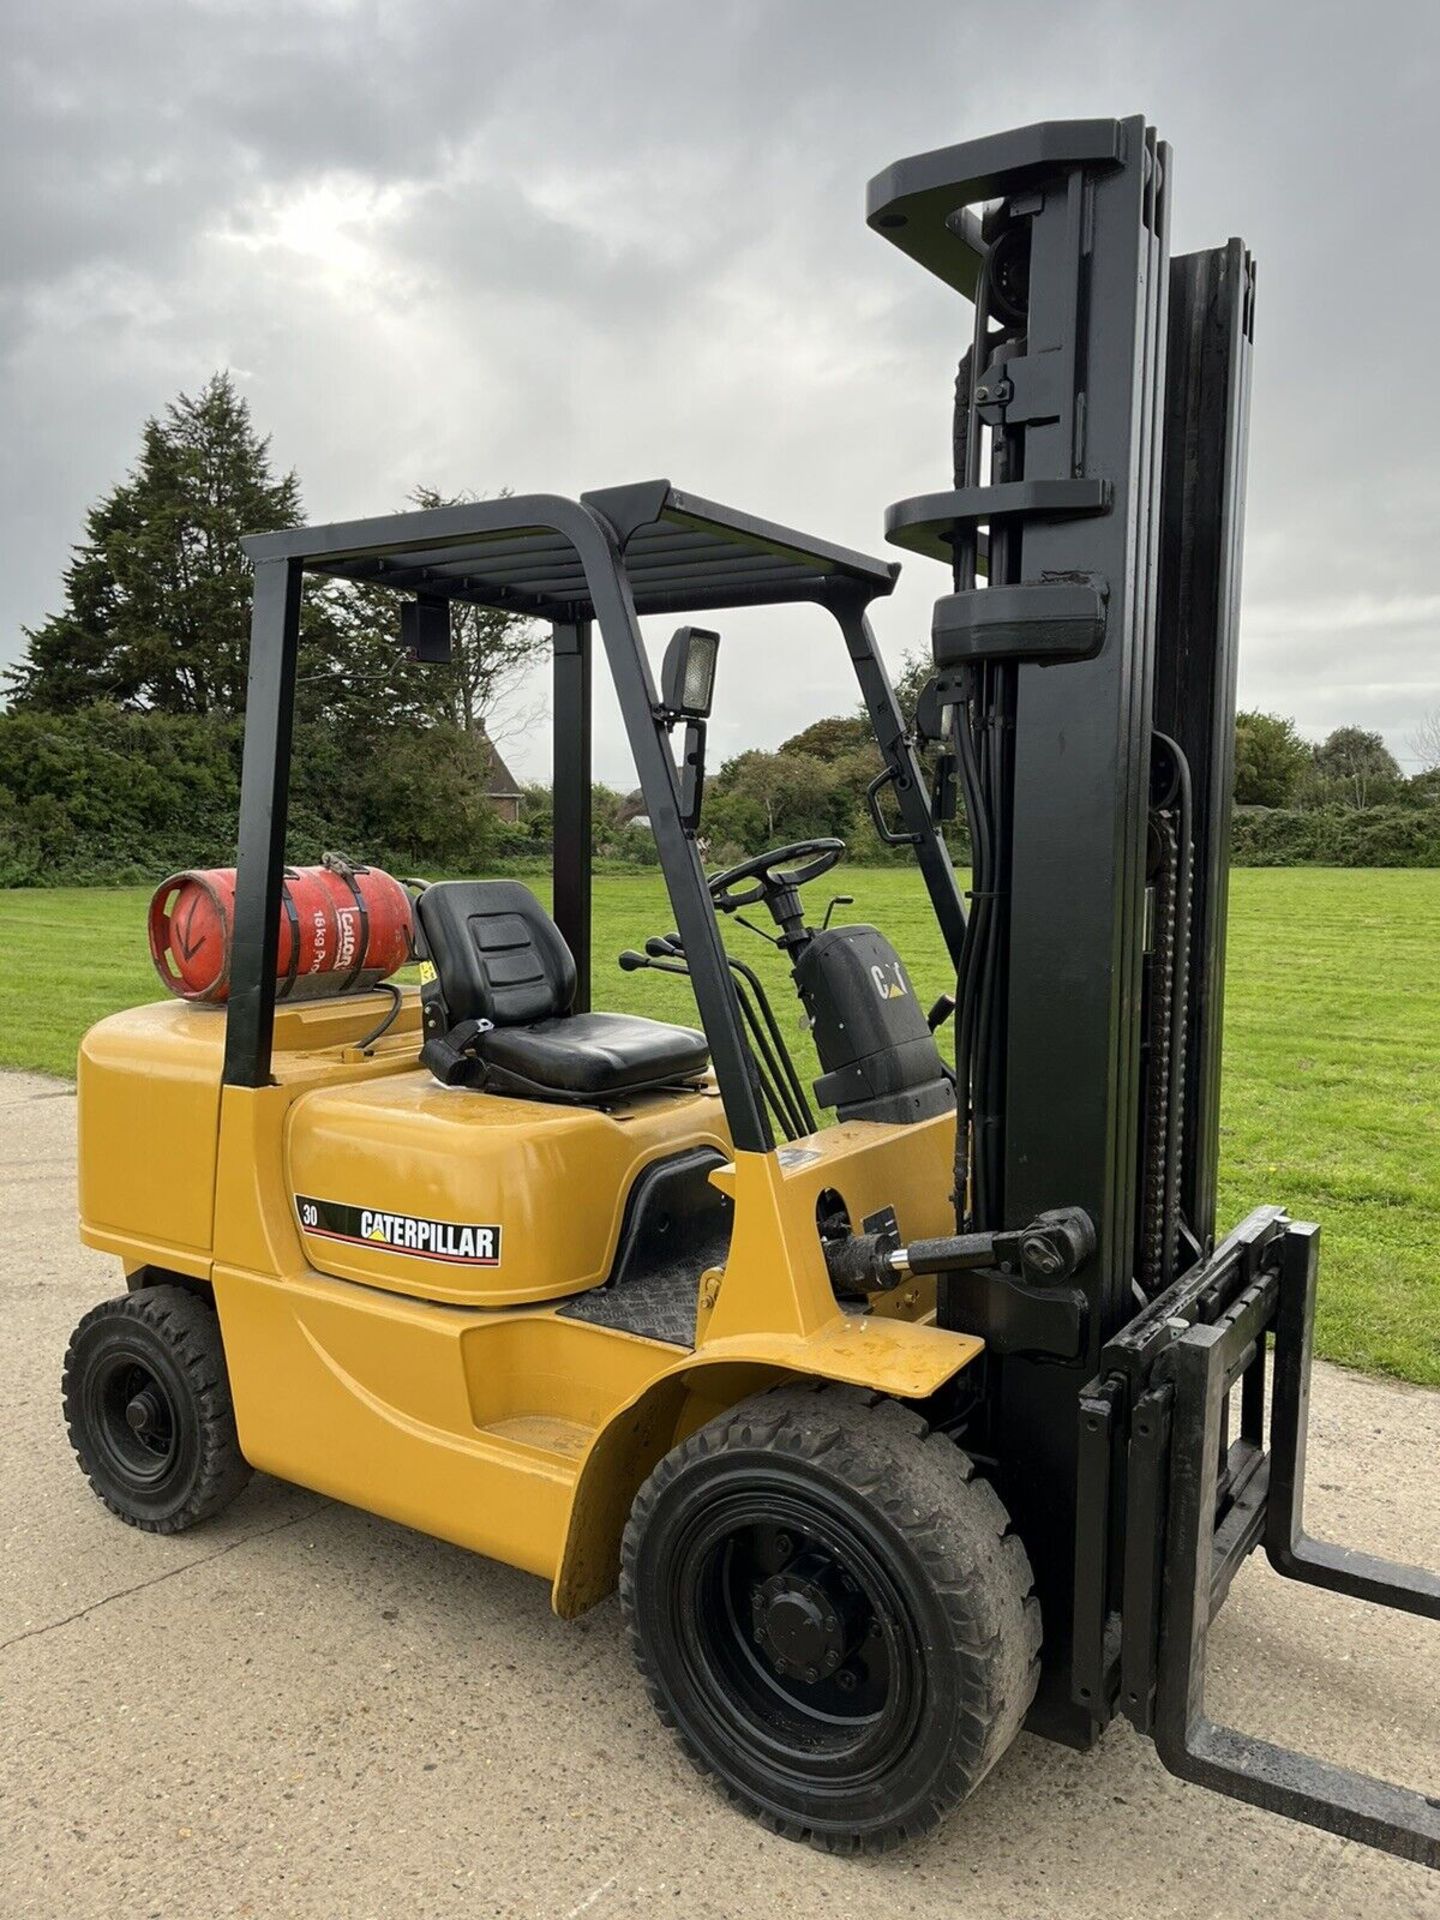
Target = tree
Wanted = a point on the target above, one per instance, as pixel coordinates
(359, 677)
(142, 677)
(916, 671)
(1270, 758)
(157, 594)
(760, 800)
(1357, 766)
(615, 830)
(490, 652)
(418, 795)
(832, 738)
(1425, 741)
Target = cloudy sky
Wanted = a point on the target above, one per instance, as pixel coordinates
(553, 244)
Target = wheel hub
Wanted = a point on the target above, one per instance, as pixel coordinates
(144, 1414)
(135, 1420)
(800, 1619)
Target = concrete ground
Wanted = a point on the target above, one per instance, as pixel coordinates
(300, 1710)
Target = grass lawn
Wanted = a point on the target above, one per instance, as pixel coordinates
(1332, 1089)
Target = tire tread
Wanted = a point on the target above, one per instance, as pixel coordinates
(957, 1528)
(189, 1329)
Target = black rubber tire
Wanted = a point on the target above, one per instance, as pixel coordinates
(907, 1514)
(162, 1342)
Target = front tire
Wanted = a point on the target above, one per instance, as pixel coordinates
(147, 1406)
(832, 1615)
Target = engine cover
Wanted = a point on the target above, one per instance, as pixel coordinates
(445, 1193)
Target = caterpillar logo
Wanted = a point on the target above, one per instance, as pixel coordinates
(890, 981)
(458, 1243)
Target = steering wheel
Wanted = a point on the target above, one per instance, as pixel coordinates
(772, 874)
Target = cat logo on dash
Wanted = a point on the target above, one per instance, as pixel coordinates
(890, 982)
(459, 1244)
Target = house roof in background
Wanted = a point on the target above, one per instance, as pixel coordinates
(500, 783)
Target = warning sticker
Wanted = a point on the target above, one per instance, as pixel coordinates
(459, 1243)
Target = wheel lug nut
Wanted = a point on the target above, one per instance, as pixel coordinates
(812, 1674)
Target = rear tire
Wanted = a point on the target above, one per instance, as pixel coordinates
(831, 1614)
(147, 1406)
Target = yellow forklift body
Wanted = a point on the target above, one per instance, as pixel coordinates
(459, 1400)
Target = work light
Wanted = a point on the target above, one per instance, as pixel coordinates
(687, 678)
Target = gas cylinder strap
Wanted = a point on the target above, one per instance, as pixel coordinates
(288, 905)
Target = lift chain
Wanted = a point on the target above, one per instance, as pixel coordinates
(1179, 1036)
(1161, 1012)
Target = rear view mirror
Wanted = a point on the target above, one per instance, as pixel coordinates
(687, 677)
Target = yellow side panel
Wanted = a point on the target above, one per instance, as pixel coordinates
(149, 1100)
(366, 1399)
(469, 1426)
(552, 1179)
(149, 1109)
(478, 1426)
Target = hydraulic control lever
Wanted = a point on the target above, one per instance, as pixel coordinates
(779, 1080)
(1048, 1252)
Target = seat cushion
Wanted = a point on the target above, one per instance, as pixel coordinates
(588, 1055)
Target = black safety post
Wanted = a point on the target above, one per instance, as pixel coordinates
(695, 917)
(571, 849)
(264, 795)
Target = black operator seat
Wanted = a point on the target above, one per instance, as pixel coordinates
(500, 960)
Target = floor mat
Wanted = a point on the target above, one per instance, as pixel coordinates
(659, 1305)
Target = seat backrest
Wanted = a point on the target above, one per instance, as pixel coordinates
(497, 954)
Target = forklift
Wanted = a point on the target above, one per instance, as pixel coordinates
(949, 1415)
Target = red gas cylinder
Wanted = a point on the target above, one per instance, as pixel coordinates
(342, 929)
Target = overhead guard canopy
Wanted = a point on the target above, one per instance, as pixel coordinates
(679, 553)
